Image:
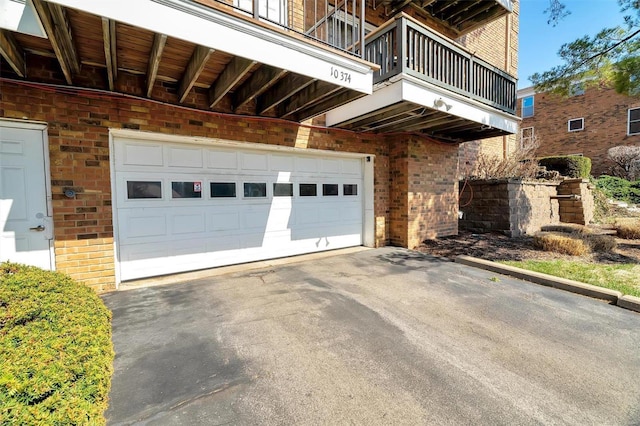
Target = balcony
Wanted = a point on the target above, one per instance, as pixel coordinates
(429, 84)
(253, 57)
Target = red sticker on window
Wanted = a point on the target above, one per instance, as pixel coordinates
(197, 186)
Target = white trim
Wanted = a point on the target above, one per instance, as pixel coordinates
(575, 119)
(629, 122)
(531, 138)
(222, 31)
(368, 190)
(42, 126)
(527, 91)
(409, 89)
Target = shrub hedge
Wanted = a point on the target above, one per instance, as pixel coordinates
(55, 349)
(619, 189)
(573, 166)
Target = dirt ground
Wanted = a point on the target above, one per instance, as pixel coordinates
(495, 246)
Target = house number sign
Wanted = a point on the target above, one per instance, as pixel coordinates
(340, 75)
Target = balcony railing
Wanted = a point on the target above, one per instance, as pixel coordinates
(403, 46)
(336, 23)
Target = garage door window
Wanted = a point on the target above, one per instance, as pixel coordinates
(349, 189)
(255, 190)
(186, 189)
(329, 189)
(222, 189)
(283, 190)
(137, 189)
(308, 190)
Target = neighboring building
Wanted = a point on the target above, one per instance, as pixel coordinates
(588, 123)
(149, 137)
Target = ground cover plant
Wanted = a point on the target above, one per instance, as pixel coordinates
(55, 349)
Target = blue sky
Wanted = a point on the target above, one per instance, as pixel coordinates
(540, 42)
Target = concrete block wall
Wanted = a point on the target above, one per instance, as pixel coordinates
(580, 210)
(512, 207)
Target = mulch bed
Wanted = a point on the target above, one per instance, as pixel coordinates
(495, 246)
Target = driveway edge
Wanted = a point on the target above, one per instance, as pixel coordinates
(613, 296)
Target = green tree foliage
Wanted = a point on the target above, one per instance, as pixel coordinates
(611, 57)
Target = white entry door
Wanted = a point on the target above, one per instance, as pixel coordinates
(25, 226)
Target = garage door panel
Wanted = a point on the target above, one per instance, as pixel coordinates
(281, 163)
(224, 221)
(185, 157)
(188, 223)
(189, 228)
(144, 226)
(222, 160)
(254, 161)
(136, 154)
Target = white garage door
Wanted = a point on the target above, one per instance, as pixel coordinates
(183, 207)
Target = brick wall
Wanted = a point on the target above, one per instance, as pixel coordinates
(605, 124)
(424, 193)
(78, 132)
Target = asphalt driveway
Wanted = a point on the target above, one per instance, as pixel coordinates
(383, 336)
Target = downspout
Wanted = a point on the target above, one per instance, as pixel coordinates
(507, 68)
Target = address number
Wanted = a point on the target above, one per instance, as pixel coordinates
(340, 75)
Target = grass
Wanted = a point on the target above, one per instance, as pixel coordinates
(622, 277)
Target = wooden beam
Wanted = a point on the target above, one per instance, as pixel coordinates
(154, 60)
(317, 108)
(109, 43)
(196, 64)
(11, 51)
(306, 97)
(234, 71)
(55, 24)
(260, 82)
(380, 114)
(282, 90)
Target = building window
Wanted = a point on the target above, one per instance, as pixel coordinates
(186, 189)
(634, 121)
(349, 189)
(576, 89)
(527, 107)
(329, 189)
(283, 190)
(222, 189)
(271, 10)
(255, 190)
(137, 189)
(526, 137)
(575, 124)
(308, 190)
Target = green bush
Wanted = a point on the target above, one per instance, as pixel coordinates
(619, 188)
(55, 349)
(573, 166)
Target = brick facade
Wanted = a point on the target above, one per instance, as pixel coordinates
(605, 114)
(415, 178)
(78, 133)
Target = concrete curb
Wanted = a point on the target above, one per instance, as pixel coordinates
(612, 296)
(629, 302)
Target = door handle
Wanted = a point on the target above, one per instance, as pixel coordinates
(38, 228)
